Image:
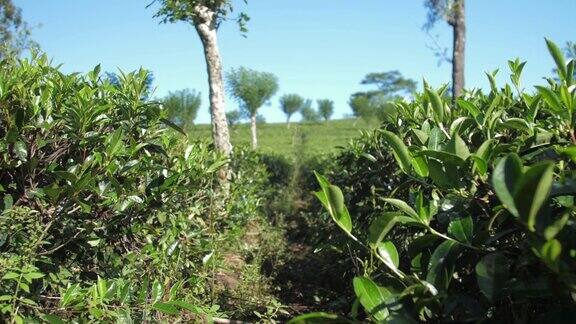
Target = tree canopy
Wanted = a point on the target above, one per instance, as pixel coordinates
(14, 31)
(182, 106)
(325, 108)
(291, 104)
(193, 11)
(252, 89)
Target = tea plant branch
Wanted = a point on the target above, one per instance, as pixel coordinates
(434, 232)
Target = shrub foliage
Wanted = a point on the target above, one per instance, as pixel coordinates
(106, 210)
(477, 221)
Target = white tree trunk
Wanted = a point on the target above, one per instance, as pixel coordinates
(458, 53)
(205, 24)
(254, 132)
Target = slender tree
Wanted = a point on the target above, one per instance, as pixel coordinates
(309, 115)
(290, 104)
(206, 16)
(453, 12)
(325, 108)
(252, 89)
(233, 117)
(14, 31)
(182, 107)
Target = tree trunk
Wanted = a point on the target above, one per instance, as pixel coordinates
(458, 52)
(288, 122)
(205, 25)
(254, 132)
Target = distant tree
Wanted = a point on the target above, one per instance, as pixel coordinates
(325, 108)
(252, 89)
(14, 31)
(206, 16)
(260, 119)
(233, 117)
(361, 106)
(309, 115)
(389, 85)
(453, 12)
(291, 104)
(182, 107)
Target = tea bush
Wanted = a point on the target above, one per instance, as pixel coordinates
(476, 221)
(107, 212)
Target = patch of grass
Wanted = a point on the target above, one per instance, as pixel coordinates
(317, 138)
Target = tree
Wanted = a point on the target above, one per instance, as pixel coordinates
(325, 108)
(14, 31)
(290, 104)
(361, 106)
(206, 16)
(453, 12)
(390, 86)
(233, 117)
(309, 115)
(182, 106)
(252, 89)
(390, 83)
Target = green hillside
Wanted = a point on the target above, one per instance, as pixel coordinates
(310, 139)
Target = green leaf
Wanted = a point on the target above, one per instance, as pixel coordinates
(33, 275)
(550, 253)
(532, 191)
(404, 207)
(173, 126)
(462, 229)
(399, 149)
(556, 227)
(420, 166)
(389, 254)
(437, 105)
(492, 274)
(468, 106)
(187, 306)
(458, 147)
(558, 58)
(441, 265)
(318, 317)
(383, 224)
(332, 199)
(339, 210)
(52, 319)
(551, 99)
(166, 308)
(69, 295)
(372, 297)
(11, 276)
(21, 151)
(157, 291)
(507, 172)
(517, 124)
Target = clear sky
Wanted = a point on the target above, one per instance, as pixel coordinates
(317, 48)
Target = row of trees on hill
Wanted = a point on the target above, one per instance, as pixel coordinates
(293, 103)
(207, 15)
(252, 90)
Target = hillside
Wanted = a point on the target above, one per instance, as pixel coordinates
(310, 139)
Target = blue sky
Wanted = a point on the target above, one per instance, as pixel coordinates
(317, 48)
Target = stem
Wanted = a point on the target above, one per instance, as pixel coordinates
(434, 232)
